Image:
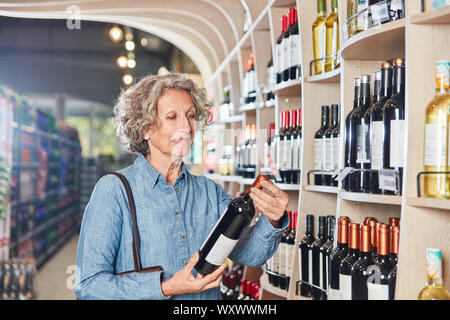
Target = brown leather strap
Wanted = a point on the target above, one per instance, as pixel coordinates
(136, 237)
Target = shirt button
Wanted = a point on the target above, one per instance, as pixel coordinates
(177, 212)
(182, 236)
(176, 189)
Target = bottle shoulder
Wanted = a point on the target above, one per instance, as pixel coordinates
(438, 105)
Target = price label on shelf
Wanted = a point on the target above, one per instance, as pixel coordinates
(380, 13)
(387, 180)
(341, 176)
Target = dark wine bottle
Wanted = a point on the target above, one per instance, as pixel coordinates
(282, 256)
(297, 147)
(279, 50)
(377, 127)
(315, 254)
(336, 143)
(290, 246)
(329, 146)
(377, 284)
(287, 46)
(345, 270)
(225, 234)
(374, 225)
(325, 251)
(283, 147)
(295, 57)
(361, 161)
(290, 145)
(394, 241)
(350, 134)
(319, 146)
(337, 255)
(392, 279)
(394, 126)
(361, 269)
(305, 264)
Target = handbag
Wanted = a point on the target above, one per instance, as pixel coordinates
(136, 238)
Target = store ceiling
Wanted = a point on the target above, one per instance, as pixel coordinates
(206, 30)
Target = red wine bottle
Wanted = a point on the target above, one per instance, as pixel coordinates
(325, 251)
(225, 234)
(290, 245)
(304, 263)
(345, 271)
(361, 269)
(337, 255)
(282, 256)
(295, 57)
(315, 249)
(319, 146)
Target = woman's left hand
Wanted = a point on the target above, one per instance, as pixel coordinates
(272, 203)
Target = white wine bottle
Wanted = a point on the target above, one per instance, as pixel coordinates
(434, 289)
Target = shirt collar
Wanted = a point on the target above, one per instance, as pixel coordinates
(153, 174)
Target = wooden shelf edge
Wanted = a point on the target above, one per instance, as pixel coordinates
(328, 77)
(265, 285)
(324, 189)
(231, 119)
(301, 298)
(436, 16)
(286, 85)
(371, 198)
(385, 32)
(249, 107)
(432, 203)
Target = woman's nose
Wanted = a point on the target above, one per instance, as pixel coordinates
(185, 124)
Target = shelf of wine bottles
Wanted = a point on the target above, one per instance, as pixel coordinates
(45, 181)
(17, 279)
(235, 287)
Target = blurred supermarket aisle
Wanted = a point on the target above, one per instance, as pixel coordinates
(54, 280)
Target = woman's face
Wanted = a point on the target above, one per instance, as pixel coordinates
(174, 134)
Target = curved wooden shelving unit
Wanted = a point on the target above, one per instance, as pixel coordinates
(436, 16)
(265, 285)
(328, 77)
(292, 87)
(379, 43)
(371, 198)
(431, 203)
(324, 189)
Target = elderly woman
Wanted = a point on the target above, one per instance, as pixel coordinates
(175, 210)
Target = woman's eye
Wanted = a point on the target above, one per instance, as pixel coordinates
(191, 116)
(171, 117)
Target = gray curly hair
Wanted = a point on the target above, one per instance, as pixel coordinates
(136, 107)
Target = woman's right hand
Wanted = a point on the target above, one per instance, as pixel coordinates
(184, 281)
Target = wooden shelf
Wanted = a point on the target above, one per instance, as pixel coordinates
(371, 198)
(324, 189)
(328, 77)
(223, 178)
(265, 285)
(232, 119)
(248, 107)
(436, 16)
(295, 297)
(379, 43)
(292, 87)
(432, 203)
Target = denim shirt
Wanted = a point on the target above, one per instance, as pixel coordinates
(173, 223)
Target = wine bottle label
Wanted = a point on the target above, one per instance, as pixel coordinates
(322, 35)
(362, 132)
(282, 156)
(345, 287)
(246, 85)
(300, 272)
(436, 144)
(377, 291)
(335, 44)
(285, 47)
(279, 61)
(282, 258)
(254, 155)
(273, 151)
(329, 159)
(295, 154)
(318, 153)
(269, 80)
(379, 13)
(362, 18)
(310, 267)
(251, 81)
(377, 145)
(276, 262)
(321, 267)
(397, 146)
(336, 145)
(294, 49)
(266, 153)
(221, 250)
(289, 258)
(333, 294)
(289, 154)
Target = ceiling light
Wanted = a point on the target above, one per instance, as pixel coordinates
(115, 34)
(127, 79)
(129, 45)
(144, 42)
(122, 61)
(131, 63)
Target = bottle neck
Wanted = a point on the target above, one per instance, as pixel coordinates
(321, 8)
(356, 97)
(442, 91)
(399, 80)
(365, 95)
(334, 118)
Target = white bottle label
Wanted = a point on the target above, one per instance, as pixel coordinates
(335, 44)
(279, 61)
(361, 154)
(246, 84)
(276, 262)
(221, 250)
(282, 258)
(295, 58)
(435, 144)
(377, 291)
(285, 45)
(295, 154)
(397, 146)
(318, 153)
(273, 151)
(345, 287)
(310, 267)
(377, 146)
(289, 258)
(282, 150)
(329, 154)
(300, 272)
(333, 294)
(336, 145)
(321, 266)
(266, 153)
(322, 43)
